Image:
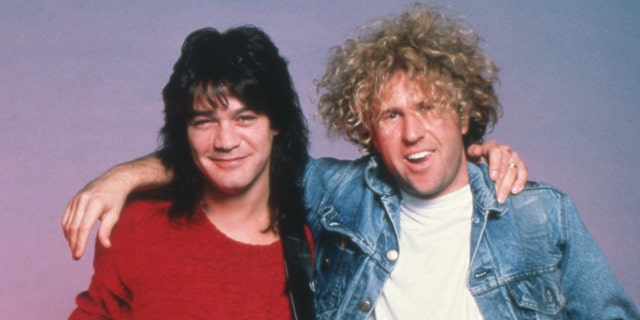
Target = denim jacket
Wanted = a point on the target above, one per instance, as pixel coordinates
(531, 258)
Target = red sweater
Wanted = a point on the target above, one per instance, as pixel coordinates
(157, 269)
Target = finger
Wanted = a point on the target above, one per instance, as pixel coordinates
(505, 162)
(86, 211)
(66, 217)
(502, 173)
(506, 182)
(475, 151)
(523, 174)
(68, 222)
(91, 214)
(497, 162)
(515, 177)
(104, 231)
(75, 219)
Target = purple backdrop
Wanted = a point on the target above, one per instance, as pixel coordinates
(80, 91)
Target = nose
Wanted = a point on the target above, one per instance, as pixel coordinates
(226, 138)
(414, 128)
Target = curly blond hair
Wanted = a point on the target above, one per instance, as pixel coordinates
(420, 42)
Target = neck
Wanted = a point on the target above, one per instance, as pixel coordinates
(244, 216)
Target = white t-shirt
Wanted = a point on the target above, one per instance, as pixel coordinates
(430, 279)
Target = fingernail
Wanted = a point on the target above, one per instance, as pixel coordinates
(501, 197)
(494, 173)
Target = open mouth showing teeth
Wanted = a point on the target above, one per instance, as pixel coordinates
(419, 156)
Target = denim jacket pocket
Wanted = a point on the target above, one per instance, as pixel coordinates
(540, 293)
(335, 258)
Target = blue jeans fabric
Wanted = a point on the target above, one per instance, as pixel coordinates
(531, 258)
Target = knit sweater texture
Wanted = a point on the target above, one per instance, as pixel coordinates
(163, 269)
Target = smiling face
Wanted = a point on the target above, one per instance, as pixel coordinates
(231, 145)
(419, 137)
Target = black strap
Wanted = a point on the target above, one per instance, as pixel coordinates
(299, 273)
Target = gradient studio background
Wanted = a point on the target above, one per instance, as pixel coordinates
(80, 91)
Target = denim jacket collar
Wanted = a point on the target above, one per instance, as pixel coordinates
(378, 178)
(380, 182)
(361, 229)
(484, 192)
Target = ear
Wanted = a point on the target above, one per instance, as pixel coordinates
(464, 122)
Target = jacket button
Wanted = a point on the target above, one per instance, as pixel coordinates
(549, 295)
(392, 255)
(325, 261)
(364, 305)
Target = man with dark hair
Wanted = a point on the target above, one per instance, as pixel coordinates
(210, 244)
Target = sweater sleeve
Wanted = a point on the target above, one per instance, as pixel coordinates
(107, 297)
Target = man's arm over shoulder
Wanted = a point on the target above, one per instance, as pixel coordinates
(103, 199)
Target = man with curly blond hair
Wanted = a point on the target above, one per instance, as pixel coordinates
(415, 91)
(422, 43)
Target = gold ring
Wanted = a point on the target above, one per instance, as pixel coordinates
(512, 165)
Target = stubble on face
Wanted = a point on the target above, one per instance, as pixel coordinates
(231, 145)
(419, 137)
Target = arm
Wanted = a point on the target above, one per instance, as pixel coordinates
(590, 288)
(104, 197)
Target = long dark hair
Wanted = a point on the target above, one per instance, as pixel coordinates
(244, 63)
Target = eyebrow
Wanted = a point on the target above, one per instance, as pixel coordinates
(210, 111)
(387, 110)
(196, 113)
